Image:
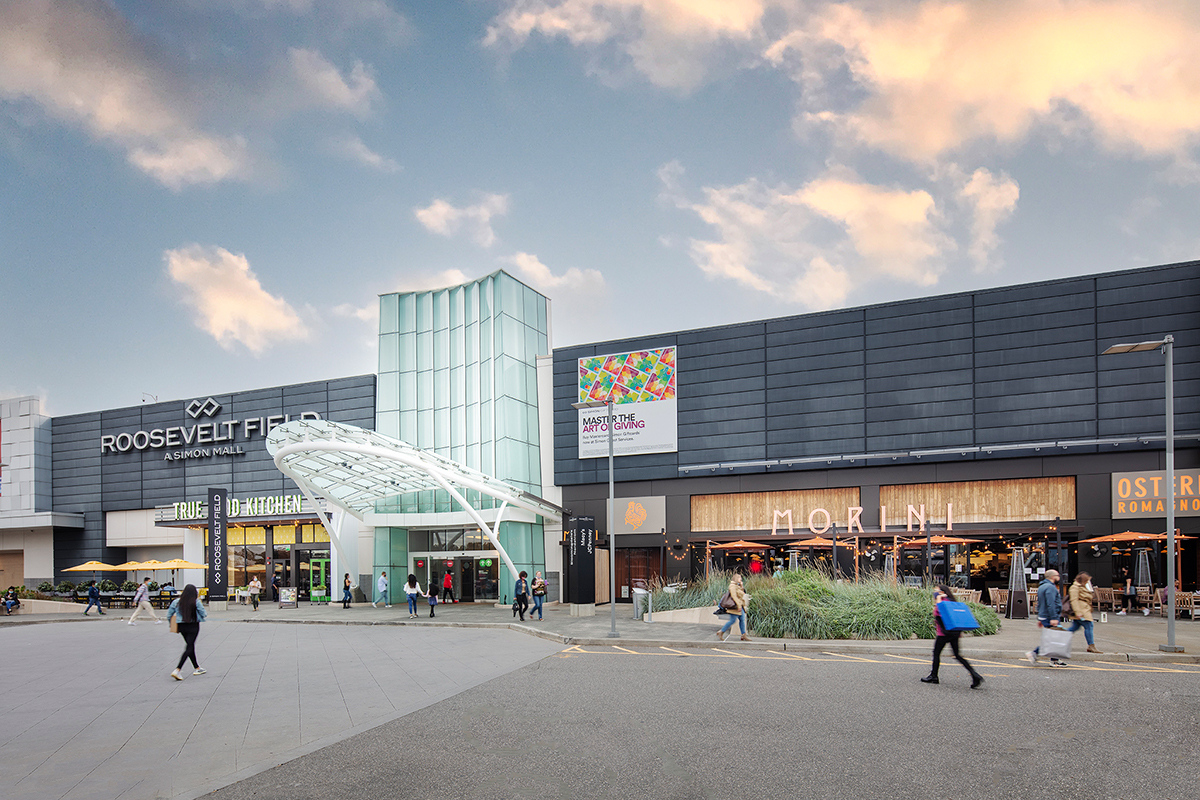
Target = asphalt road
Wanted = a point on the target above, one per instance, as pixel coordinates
(599, 722)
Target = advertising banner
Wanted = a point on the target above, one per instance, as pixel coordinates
(642, 388)
(1144, 494)
(581, 560)
(218, 522)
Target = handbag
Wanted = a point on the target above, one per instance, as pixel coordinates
(727, 603)
(174, 624)
(956, 616)
(1056, 643)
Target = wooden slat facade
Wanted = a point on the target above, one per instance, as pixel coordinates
(754, 511)
(1018, 500)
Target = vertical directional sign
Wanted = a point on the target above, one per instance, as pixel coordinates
(581, 560)
(218, 520)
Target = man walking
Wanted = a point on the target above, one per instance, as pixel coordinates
(1049, 610)
(93, 599)
(141, 602)
(381, 590)
(255, 591)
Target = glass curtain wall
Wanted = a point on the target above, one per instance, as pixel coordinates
(458, 376)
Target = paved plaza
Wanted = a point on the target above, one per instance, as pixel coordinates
(319, 701)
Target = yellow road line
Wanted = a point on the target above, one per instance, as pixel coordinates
(631, 652)
(854, 658)
(677, 652)
(908, 658)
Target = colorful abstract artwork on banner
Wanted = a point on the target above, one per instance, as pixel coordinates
(641, 377)
(641, 386)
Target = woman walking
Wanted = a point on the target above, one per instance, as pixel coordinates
(413, 590)
(1079, 605)
(539, 594)
(346, 591)
(943, 637)
(737, 593)
(190, 613)
(521, 594)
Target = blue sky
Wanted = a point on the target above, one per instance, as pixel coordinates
(207, 196)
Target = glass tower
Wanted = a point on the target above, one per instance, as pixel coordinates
(458, 376)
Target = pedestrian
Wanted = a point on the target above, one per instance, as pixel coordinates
(433, 601)
(521, 594)
(1128, 593)
(346, 597)
(1079, 605)
(141, 602)
(448, 587)
(275, 589)
(538, 587)
(737, 593)
(413, 590)
(93, 599)
(945, 637)
(191, 613)
(1049, 611)
(381, 587)
(255, 591)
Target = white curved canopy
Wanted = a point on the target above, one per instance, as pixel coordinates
(353, 468)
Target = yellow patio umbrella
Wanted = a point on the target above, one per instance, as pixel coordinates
(128, 566)
(179, 563)
(93, 567)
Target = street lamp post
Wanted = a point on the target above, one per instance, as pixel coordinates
(612, 538)
(1166, 344)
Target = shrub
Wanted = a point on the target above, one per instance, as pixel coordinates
(45, 586)
(129, 586)
(107, 586)
(65, 586)
(808, 604)
(153, 586)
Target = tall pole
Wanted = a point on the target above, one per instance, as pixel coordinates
(1167, 348)
(612, 536)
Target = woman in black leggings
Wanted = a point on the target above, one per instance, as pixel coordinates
(190, 613)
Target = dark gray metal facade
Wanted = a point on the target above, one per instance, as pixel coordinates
(1011, 365)
(1014, 365)
(90, 482)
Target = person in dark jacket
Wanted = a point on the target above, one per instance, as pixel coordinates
(93, 599)
(945, 637)
(521, 594)
(1049, 611)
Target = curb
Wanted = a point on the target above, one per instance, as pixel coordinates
(778, 645)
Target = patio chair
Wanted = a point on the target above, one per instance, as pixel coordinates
(1105, 597)
(999, 598)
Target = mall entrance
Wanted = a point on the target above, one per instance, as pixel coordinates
(475, 576)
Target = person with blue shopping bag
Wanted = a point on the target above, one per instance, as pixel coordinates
(1049, 612)
(947, 635)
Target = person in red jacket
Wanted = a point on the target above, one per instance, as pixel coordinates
(448, 588)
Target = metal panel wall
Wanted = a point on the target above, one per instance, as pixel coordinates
(1012, 365)
(93, 483)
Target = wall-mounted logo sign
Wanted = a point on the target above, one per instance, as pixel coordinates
(1144, 494)
(271, 506)
(202, 408)
(201, 440)
(639, 515)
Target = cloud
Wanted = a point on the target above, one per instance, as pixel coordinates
(323, 85)
(992, 200)
(442, 218)
(229, 302)
(813, 245)
(353, 148)
(587, 283)
(668, 41)
(85, 66)
(936, 76)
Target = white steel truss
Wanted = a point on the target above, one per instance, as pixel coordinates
(353, 468)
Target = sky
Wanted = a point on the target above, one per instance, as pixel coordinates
(208, 196)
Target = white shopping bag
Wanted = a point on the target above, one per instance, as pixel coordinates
(1056, 643)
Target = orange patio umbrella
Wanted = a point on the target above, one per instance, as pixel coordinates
(940, 539)
(741, 544)
(1130, 536)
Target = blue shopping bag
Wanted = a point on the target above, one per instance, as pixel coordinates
(956, 616)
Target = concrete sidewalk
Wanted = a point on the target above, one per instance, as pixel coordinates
(1128, 638)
